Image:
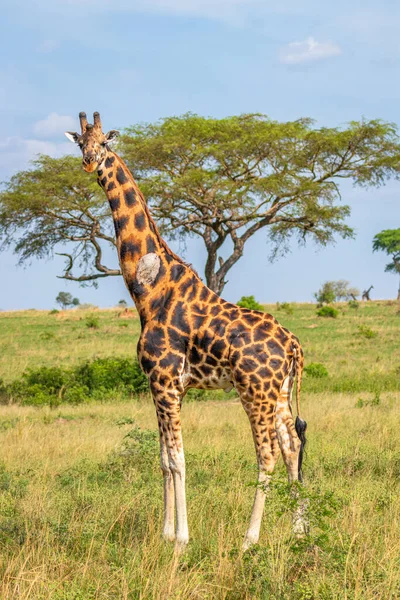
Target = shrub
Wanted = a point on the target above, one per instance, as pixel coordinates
(110, 373)
(47, 335)
(285, 306)
(251, 303)
(87, 306)
(366, 332)
(374, 402)
(354, 304)
(325, 294)
(336, 290)
(316, 370)
(55, 311)
(328, 311)
(99, 379)
(92, 322)
(3, 392)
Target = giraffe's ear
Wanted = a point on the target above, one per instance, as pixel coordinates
(73, 137)
(111, 135)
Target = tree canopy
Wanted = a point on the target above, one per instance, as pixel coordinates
(54, 204)
(65, 299)
(225, 179)
(332, 291)
(220, 179)
(388, 240)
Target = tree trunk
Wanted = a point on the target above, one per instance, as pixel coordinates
(215, 278)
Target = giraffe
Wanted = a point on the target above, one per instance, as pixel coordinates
(192, 338)
(365, 294)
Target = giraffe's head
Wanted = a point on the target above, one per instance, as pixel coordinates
(92, 141)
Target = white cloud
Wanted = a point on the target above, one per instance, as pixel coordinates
(310, 50)
(54, 125)
(16, 152)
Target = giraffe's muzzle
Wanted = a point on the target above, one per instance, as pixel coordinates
(89, 163)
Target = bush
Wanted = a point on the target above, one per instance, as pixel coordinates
(328, 311)
(105, 374)
(98, 379)
(55, 311)
(87, 306)
(316, 370)
(367, 332)
(325, 294)
(285, 306)
(92, 322)
(354, 304)
(47, 335)
(251, 303)
(332, 291)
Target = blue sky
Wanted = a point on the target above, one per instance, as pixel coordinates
(143, 60)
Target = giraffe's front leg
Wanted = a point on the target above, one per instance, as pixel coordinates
(169, 499)
(167, 403)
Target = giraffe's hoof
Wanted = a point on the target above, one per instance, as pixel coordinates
(301, 528)
(248, 543)
(180, 546)
(169, 536)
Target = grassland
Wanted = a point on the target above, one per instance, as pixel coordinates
(81, 490)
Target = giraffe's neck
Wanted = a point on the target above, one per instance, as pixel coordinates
(143, 254)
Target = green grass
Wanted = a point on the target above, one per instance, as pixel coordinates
(355, 362)
(81, 488)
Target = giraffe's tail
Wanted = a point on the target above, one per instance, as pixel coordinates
(300, 424)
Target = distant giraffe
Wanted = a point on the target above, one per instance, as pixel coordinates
(191, 338)
(365, 294)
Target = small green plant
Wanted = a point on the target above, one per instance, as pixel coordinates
(328, 311)
(47, 335)
(286, 307)
(54, 311)
(316, 370)
(354, 304)
(92, 322)
(376, 400)
(250, 302)
(366, 332)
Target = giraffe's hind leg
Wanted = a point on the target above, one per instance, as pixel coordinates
(288, 439)
(290, 446)
(261, 413)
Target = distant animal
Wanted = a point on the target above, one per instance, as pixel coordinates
(192, 338)
(365, 294)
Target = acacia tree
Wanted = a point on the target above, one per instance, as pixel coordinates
(65, 299)
(226, 179)
(388, 240)
(55, 204)
(332, 291)
(220, 179)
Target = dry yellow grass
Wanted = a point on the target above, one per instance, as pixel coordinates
(82, 520)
